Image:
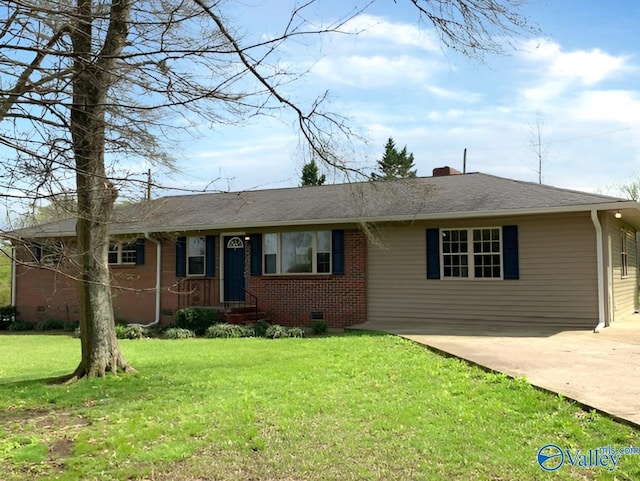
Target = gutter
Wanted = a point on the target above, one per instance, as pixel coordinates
(601, 273)
(158, 278)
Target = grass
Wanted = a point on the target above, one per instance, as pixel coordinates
(5, 280)
(349, 407)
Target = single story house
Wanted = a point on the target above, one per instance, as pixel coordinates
(451, 248)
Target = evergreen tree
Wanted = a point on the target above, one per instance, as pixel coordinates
(395, 164)
(310, 174)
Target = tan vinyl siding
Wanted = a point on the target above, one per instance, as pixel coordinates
(557, 285)
(625, 288)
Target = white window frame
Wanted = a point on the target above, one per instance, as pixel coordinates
(624, 254)
(470, 253)
(51, 253)
(120, 252)
(278, 253)
(203, 255)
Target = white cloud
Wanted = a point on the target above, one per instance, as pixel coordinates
(588, 67)
(620, 106)
(374, 71)
(391, 35)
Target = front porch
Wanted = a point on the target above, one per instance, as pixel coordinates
(207, 292)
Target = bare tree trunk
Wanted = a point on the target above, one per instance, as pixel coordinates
(96, 194)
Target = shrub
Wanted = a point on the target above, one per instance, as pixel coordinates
(7, 316)
(133, 331)
(21, 326)
(295, 332)
(7, 313)
(229, 330)
(276, 331)
(49, 325)
(196, 319)
(71, 325)
(319, 327)
(260, 328)
(178, 333)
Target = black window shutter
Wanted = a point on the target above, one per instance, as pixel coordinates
(210, 256)
(337, 252)
(140, 252)
(433, 253)
(181, 257)
(36, 250)
(256, 254)
(510, 252)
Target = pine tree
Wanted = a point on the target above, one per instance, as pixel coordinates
(394, 164)
(310, 174)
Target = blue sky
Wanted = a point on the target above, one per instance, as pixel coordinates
(579, 80)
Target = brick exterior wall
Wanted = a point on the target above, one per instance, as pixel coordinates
(51, 292)
(48, 293)
(290, 300)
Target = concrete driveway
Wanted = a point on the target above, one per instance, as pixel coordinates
(600, 370)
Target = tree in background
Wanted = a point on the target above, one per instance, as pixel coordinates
(395, 164)
(86, 82)
(310, 174)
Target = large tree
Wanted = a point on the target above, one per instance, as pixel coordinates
(394, 164)
(86, 82)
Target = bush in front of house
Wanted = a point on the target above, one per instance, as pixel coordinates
(260, 328)
(7, 313)
(224, 330)
(319, 327)
(196, 319)
(71, 325)
(295, 332)
(49, 325)
(17, 326)
(276, 331)
(134, 331)
(178, 333)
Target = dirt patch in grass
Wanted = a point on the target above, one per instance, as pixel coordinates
(54, 430)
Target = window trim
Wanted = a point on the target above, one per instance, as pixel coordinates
(314, 254)
(471, 254)
(49, 253)
(120, 251)
(624, 254)
(204, 256)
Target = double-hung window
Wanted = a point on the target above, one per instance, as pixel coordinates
(48, 253)
(471, 253)
(122, 253)
(297, 252)
(624, 258)
(196, 255)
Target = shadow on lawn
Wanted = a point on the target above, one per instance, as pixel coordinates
(467, 329)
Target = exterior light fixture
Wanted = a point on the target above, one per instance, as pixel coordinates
(247, 238)
(618, 215)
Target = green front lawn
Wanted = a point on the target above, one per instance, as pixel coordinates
(349, 407)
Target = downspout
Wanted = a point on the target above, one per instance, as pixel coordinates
(158, 278)
(600, 269)
(14, 266)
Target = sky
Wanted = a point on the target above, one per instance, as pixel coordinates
(576, 83)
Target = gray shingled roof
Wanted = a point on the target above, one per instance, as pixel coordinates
(422, 198)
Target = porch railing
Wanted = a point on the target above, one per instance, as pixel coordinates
(193, 292)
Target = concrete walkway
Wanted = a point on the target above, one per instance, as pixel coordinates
(600, 370)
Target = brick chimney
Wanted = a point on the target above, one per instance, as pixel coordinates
(445, 171)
